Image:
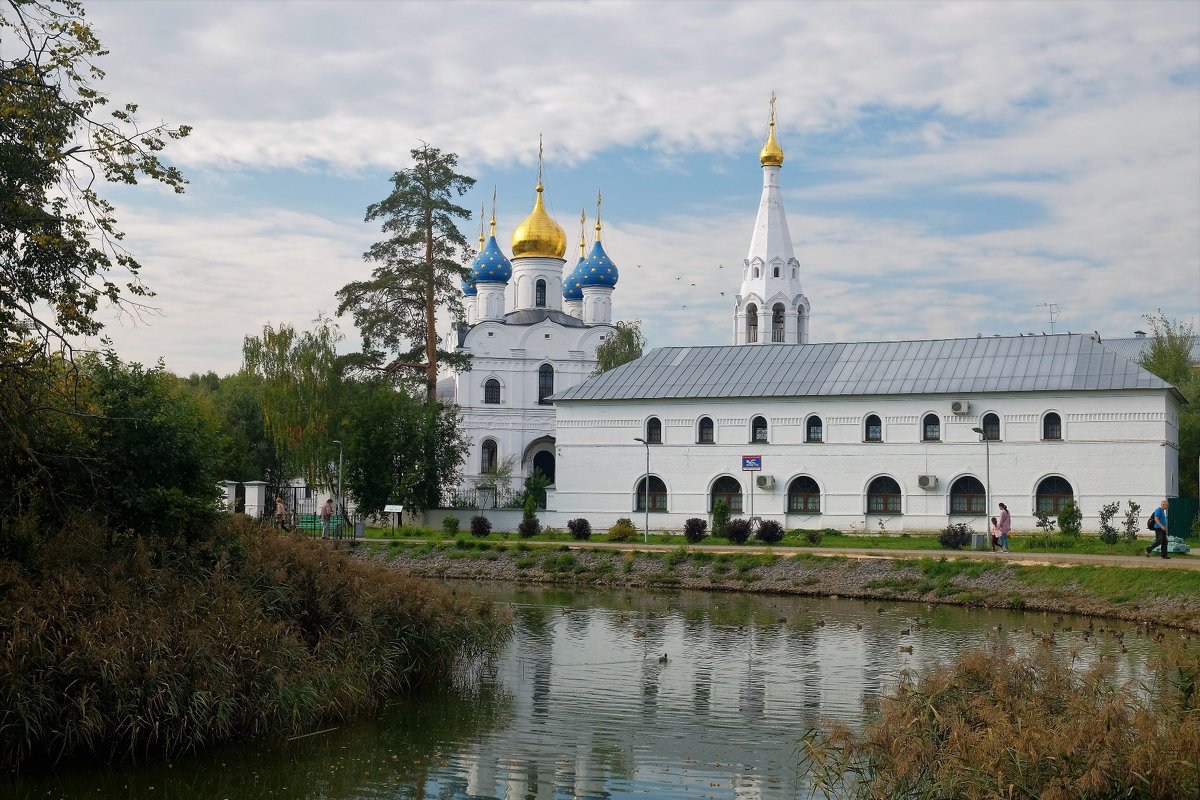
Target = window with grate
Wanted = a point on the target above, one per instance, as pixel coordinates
(752, 323)
(804, 496)
(931, 428)
(967, 496)
(705, 431)
(539, 294)
(487, 461)
(1053, 493)
(777, 320)
(545, 384)
(991, 427)
(729, 490)
(1052, 426)
(758, 429)
(883, 496)
(654, 430)
(872, 429)
(658, 495)
(491, 392)
(814, 431)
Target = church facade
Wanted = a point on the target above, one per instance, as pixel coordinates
(862, 436)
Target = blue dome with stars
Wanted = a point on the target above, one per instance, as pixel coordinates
(571, 288)
(491, 265)
(598, 269)
(468, 286)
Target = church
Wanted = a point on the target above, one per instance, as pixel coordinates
(864, 436)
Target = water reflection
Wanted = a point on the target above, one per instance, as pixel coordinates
(583, 703)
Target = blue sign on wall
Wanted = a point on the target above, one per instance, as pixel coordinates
(751, 463)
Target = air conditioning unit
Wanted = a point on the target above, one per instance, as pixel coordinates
(960, 407)
(765, 481)
(927, 482)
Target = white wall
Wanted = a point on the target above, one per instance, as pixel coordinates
(1112, 449)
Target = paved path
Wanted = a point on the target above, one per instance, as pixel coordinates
(1053, 559)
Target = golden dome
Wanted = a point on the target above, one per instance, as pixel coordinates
(539, 235)
(772, 154)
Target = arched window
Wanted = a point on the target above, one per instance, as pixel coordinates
(795, 273)
(658, 495)
(991, 427)
(487, 459)
(814, 431)
(1052, 426)
(654, 430)
(1053, 493)
(491, 392)
(775, 271)
(967, 496)
(804, 496)
(777, 320)
(729, 490)
(799, 323)
(545, 384)
(758, 429)
(756, 270)
(931, 428)
(883, 496)
(872, 429)
(752, 322)
(539, 294)
(543, 462)
(704, 433)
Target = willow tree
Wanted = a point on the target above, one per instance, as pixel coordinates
(301, 393)
(626, 344)
(1170, 358)
(418, 269)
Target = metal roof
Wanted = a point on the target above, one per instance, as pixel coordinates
(1135, 347)
(939, 366)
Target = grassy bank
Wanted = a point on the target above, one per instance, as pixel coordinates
(1163, 596)
(995, 724)
(161, 649)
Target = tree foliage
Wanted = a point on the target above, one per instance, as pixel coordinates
(59, 241)
(301, 387)
(418, 268)
(1170, 358)
(625, 345)
(399, 449)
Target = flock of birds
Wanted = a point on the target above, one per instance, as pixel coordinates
(680, 277)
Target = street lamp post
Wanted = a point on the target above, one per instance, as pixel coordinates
(341, 505)
(987, 486)
(646, 534)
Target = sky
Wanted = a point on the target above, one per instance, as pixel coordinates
(951, 168)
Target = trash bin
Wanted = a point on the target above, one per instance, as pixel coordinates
(979, 541)
(360, 530)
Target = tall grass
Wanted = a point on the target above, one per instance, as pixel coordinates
(994, 724)
(161, 650)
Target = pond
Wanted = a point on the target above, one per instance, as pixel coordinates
(614, 694)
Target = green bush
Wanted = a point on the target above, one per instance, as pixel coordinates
(1044, 521)
(622, 531)
(695, 530)
(769, 531)
(1108, 532)
(1131, 523)
(813, 536)
(720, 517)
(529, 526)
(481, 526)
(955, 536)
(738, 530)
(450, 525)
(1070, 519)
(580, 528)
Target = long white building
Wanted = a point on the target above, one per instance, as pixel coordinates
(864, 436)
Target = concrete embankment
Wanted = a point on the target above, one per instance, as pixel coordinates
(1141, 590)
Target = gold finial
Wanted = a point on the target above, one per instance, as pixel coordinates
(772, 154)
(539, 185)
(493, 211)
(582, 226)
(481, 229)
(599, 199)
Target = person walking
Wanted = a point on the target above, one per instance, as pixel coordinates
(1005, 525)
(1159, 519)
(994, 532)
(326, 516)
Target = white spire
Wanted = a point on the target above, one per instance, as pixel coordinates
(771, 273)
